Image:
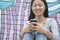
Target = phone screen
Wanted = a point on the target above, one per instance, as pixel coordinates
(33, 20)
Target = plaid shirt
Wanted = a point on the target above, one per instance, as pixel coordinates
(13, 18)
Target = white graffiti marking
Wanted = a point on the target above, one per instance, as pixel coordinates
(54, 7)
(51, 0)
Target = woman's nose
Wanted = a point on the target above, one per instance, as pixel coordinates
(37, 7)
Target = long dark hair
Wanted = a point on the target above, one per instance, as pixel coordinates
(45, 12)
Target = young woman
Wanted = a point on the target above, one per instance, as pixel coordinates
(45, 29)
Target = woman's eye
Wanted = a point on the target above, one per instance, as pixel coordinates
(40, 5)
(35, 5)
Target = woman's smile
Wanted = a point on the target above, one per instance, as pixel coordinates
(37, 10)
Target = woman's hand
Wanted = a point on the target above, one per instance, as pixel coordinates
(38, 28)
(25, 30)
(29, 28)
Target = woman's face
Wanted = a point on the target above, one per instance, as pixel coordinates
(38, 7)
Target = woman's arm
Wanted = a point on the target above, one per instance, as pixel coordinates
(48, 34)
(21, 34)
(26, 29)
(54, 34)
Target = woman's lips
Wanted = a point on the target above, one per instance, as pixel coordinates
(37, 11)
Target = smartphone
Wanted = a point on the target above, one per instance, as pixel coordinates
(33, 20)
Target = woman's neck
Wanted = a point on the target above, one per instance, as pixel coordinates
(40, 19)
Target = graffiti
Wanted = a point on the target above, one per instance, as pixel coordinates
(5, 3)
(51, 0)
(53, 6)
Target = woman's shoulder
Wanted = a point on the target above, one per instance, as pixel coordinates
(51, 20)
(26, 22)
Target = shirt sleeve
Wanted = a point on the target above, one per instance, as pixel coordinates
(26, 25)
(54, 30)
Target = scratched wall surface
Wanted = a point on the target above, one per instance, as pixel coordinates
(13, 16)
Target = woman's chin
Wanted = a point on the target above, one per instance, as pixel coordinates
(38, 14)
